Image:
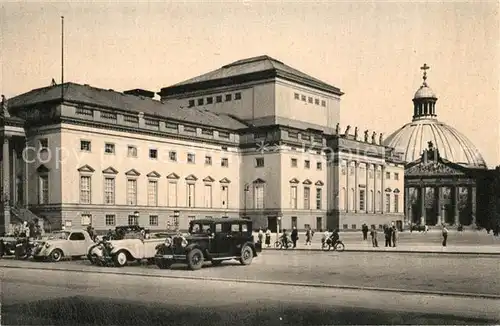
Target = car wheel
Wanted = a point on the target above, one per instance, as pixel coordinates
(56, 255)
(120, 259)
(339, 246)
(216, 262)
(246, 255)
(163, 264)
(195, 259)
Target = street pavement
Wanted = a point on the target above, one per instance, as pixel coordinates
(409, 272)
(473, 242)
(49, 297)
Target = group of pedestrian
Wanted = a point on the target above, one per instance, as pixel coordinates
(390, 234)
(293, 236)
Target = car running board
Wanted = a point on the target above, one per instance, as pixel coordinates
(224, 258)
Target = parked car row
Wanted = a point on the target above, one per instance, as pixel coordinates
(214, 240)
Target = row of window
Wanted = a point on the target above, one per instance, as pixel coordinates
(152, 193)
(307, 164)
(110, 148)
(110, 220)
(307, 197)
(309, 99)
(370, 173)
(365, 203)
(210, 100)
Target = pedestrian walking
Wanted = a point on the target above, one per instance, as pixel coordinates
(294, 236)
(445, 235)
(268, 237)
(308, 236)
(364, 230)
(393, 235)
(373, 234)
(387, 235)
(260, 235)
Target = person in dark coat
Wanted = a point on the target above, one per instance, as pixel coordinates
(373, 234)
(387, 235)
(364, 230)
(294, 236)
(393, 235)
(445, 235)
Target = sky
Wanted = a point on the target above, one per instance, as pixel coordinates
(372, 51)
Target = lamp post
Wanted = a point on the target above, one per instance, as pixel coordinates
(278, 220)
(176, 220)
(136, 215)
(246, 189)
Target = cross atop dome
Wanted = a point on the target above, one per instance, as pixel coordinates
(425, 67)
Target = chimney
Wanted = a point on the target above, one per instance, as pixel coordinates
(140, 92)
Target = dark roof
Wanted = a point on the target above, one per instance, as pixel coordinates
(254, 68)
(93, 96)
(221, 219)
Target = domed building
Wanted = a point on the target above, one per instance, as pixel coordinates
(443, 167)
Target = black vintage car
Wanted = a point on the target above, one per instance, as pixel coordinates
(213, 240)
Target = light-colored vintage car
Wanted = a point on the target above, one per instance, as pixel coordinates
(73, 243)
(119, 252)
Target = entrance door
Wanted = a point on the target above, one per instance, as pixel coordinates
(319, 223)
(272, 222)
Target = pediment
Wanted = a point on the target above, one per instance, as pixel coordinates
(132, 173)
(173, 176)
(294, 180)
(225, 180)
(86, 168)
(259, 180)
(432, 168)
(208, 179)
(397, 191)
(307, 182)
(110, 170)
(191, 177)
(42, 169)
(388, 189)
(153, 174)
(319, 183)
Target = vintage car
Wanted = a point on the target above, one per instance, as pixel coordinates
(8, 245)
(72, 243)
(132, 247)
(214, 240)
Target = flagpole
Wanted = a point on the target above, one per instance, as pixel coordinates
(62, 58)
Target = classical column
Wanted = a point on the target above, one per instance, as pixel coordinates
(356, 186)
(6, 184)
(440, 211)
(422, 205)
(456, 190)
(13, 177)
(382, 188)
(374, 197)
(367, 191)
(407, 206)
(347, 173)
(471, 197)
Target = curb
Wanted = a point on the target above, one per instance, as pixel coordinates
(313, 285)
(397, 251)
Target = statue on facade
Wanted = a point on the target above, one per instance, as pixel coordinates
(4, 108)
(366, 135)
(430, 144)
(374, 134)
(337, 129)
(346, 133)
(380, 138)
(356, 133)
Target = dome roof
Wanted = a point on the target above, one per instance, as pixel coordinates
(412, 139)
(424, 92)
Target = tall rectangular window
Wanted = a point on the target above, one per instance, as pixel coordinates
(387, 203)
(318, 198)
(294, 221)
(190, 195)
(85, 189)
(307, 198)
(224, 196)
(293, 197)
(172, 194)
(362, 199)
(109, 191)
(259, 196)
(133, 220)
(131, 192)
(152, 193)
(110, 220)
(43, 195)
(153, 220)
(396, 203)
(208, 196)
